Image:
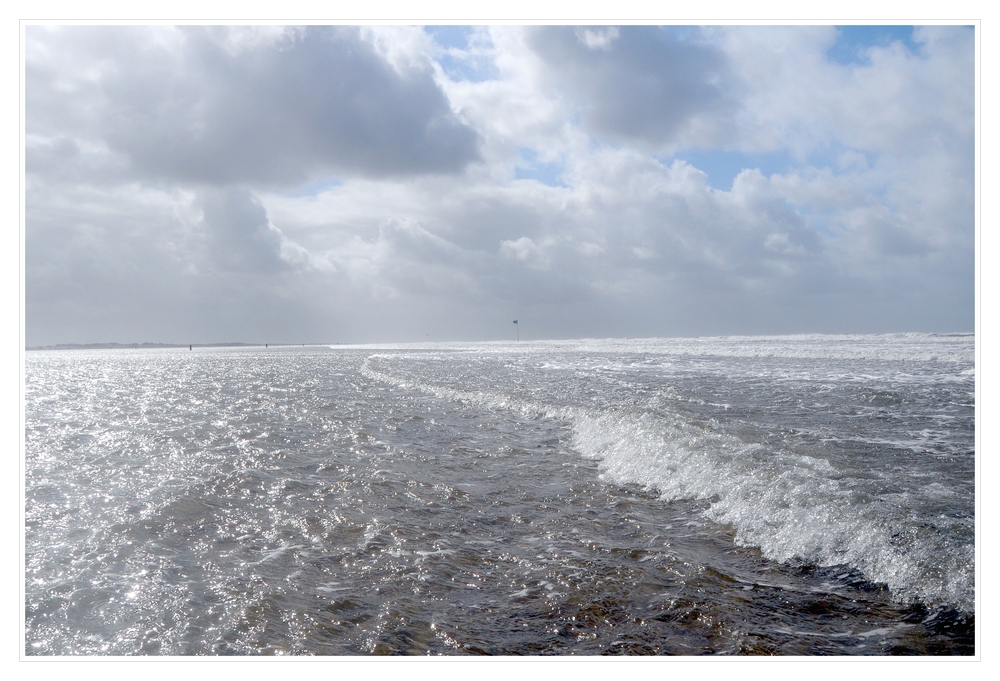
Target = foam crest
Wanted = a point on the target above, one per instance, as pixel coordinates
(489, 400)
(790, 506)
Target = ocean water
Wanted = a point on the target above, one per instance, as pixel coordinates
(807, 495)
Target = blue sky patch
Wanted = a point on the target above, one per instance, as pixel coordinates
(450, 36)
(530, 168)
(722, 167)
(853, 42)
(457, 38)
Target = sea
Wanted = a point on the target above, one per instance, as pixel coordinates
(790, 495)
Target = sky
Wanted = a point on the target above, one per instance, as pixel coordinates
(355, 184)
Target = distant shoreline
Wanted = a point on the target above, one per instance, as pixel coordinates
(145, 346)
(383, 344)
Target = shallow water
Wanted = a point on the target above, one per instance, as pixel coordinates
(792, 495)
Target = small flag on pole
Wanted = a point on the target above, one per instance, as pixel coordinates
(518, 332)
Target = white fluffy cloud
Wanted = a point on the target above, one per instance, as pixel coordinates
(203, 104)
(375, 184)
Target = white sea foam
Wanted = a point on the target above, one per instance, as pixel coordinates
(790, 506)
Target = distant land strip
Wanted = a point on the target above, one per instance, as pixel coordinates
(128, 346)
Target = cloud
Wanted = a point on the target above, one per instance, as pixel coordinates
(639, 84)
(597, 38)
(897, 103)
(285, 184)
(221, 106)
(242, 238)
(526, 251)
(410, 259)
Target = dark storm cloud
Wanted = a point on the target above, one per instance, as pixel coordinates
(638, 83)
(197, 105)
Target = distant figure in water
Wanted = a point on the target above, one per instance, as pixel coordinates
(265, 345)
(191, 347)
